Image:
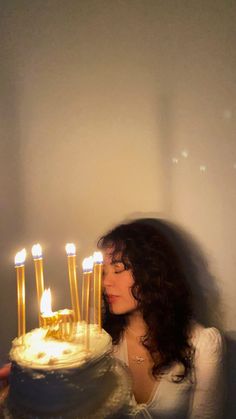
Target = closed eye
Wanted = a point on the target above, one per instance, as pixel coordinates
(118, 267)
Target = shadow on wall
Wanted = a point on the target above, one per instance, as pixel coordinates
(206, 298)
(12, 192)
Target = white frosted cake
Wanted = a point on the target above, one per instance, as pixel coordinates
(52, 378)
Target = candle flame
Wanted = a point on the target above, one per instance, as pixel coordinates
(36, 251)
(97, 257)
(46, 302)
(20, 257)
(88, 264)
(70, 249)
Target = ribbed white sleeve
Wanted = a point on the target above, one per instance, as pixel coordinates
(208, 394)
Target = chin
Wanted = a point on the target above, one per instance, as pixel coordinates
(117, 311)
(120, 310)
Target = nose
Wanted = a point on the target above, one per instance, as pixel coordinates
(108, 279)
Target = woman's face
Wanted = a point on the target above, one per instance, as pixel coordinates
(117, 283)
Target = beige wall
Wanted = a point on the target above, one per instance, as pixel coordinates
(97, 99)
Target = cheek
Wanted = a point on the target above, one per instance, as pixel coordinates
(129, 301)
(130, 283)
(128, 289)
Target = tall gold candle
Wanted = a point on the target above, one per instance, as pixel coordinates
(87, 274)
(71, 257)
(38, 266)
(20, 276)
(97, 285)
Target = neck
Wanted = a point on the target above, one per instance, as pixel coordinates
(137, 324)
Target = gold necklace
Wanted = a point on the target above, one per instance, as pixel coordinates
(139, 338)
(137, 358)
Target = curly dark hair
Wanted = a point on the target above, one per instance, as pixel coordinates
(160, 288)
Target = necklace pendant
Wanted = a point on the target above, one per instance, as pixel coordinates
(138, 359)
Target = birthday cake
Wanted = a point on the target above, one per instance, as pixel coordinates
(57, 379)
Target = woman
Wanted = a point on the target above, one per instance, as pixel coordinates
(175, 363)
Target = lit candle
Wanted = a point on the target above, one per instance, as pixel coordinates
(97, 284)
(20, 275)
(71, 257)
(87, 273)
(67, 327)
(48, 317)
(38, 266)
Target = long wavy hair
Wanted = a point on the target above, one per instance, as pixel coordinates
(160, 288)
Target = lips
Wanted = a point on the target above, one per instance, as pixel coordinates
(112, 298)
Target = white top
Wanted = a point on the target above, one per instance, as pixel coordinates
(197, 396)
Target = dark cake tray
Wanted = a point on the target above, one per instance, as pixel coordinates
(116, 406)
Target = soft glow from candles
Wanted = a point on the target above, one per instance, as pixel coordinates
(20, 257)
(46, 303)
(88, 264)
(70, 249)
(98, 257)
(48, 317)
(36, 251)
